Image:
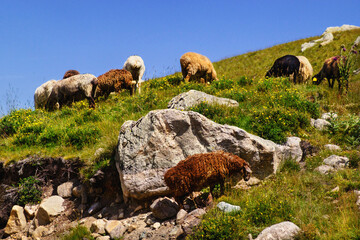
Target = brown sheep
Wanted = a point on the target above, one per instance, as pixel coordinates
(70, 73)
(114, 81)
(330, 71)
(195, 66)
(201, 170)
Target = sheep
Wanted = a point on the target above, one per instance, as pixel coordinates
(70, 73)
(113, 81)
(305, 69)
(135, 65)
(195, 66)
(75, 88)
(42, 94)
(330, 71)
(287, 65)
(201, 170)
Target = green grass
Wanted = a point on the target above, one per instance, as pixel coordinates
(80, 232)
(273, 108)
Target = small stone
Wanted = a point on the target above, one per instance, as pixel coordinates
(176, 232)
(335, 190)
(131, 228)
(329, 116)
(103, 238)
(64, 190)
(332, 147)
(49, 209)
(336, 161)
(180, 216)
(114, 228)
(226, 207)
(98, 226)
(40, 232)
(156, 226)
(17, 221)
(99, 151)
(163, 208)
(325, 169)
(30, 211)
(77, 191)
(283, 230)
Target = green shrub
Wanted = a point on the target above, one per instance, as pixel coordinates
(11, 123)
(82, 135)
(346, 130)
(267, 209)
(29, 191)
(80, 232)
(274, 124)
(220, 226)
(51, 136)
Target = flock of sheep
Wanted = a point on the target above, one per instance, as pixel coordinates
(197, 171)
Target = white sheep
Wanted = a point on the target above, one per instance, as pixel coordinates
(197, 67)
(305, 69)
(72, 89)
(42, 94)
(136, 66)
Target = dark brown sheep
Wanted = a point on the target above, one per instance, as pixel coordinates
(70, 73)
(202, 170)
(330, 71)
(114, 81)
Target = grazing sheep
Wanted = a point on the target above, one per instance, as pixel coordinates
(114, 81)
(70, 73)
(195, 66)
(136, 66)
(287, 65)
(330, 71)
(72, 89)
(305, 69)
(201, 170)
(42, 94)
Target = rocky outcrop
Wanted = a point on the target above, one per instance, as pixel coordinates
(281, 231)
(327, 36)
(185, 101)
(159, 140)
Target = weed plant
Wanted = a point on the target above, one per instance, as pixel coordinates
(29, 191)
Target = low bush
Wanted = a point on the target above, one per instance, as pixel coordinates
(79, 232)
(29, 191)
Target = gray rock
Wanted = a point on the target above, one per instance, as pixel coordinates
(281, 231)
(156, 226)
(164, 208)
(336, 161)
(332, 147)
(39, 232)
(295, 151)
(98, 226)
(115, 228)
(227, 207)
(357, 41)
(64, 190)
(49, 209)
(162, 138)
(192, 219)
(175, 232)
(328, 116)
(17, 221)
(77, 191)
(180, 216)
(325, 169)
(320, 124)
(191, 98)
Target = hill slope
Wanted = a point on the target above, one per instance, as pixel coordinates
(273, 108)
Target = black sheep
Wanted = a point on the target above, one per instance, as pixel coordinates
(285, 66)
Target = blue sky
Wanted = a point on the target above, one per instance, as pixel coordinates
(40, 40)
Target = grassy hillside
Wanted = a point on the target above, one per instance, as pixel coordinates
(273, 108)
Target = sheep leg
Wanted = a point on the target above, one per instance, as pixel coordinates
(91, 102)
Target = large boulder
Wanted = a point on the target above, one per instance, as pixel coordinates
(163, 208)
(191, 98)
(158, 141)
